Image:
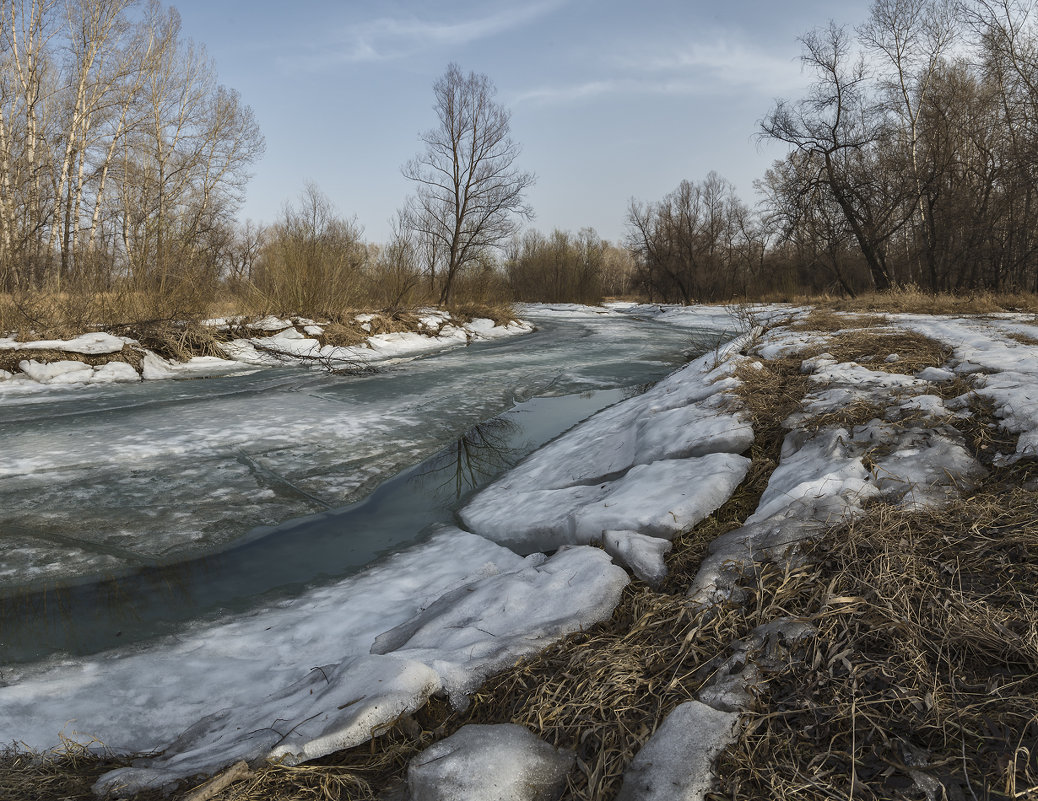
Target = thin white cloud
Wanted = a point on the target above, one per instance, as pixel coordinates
(387, 38)
(727, 62)
(571, 93)
(710, 67)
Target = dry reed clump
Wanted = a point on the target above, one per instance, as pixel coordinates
(66, 774)
(913, 300)
(9, 359)
(922, 679)
(175, 340)
(346, 331)
(829, 321)
(871, 348)
(500, 313)
(856, 413)
(1023, 339)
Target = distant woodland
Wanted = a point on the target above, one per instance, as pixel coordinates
(912, 160)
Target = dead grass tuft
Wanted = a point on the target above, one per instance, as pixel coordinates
(500, 313)
(830, 320)
(1022, 338)
(913, 300)
(176, 340)
(871, 349)
(66, 774)
(9, 359)
(922, 678)
(856, 413)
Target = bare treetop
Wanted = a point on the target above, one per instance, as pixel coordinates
(469, 190)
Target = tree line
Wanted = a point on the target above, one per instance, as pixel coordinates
(120, 152)
(910, 160)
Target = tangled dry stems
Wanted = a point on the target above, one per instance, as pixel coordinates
(913, 300)
(922, 678)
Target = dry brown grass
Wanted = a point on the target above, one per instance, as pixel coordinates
(912, 300)
(66, 774)
(922, 679)
(9, 359)
(829, 320)
(346, 331)
(909, 300)
(500, 313)
(1022, 338)
(870, 348)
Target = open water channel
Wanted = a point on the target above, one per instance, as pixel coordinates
(127, 511)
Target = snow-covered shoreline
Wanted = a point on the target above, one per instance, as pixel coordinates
(274, 341)
(629, 478)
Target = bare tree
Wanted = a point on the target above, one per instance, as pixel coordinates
(470, 191)
(689, 242)
(840, 125)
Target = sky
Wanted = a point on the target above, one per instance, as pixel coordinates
(610, 99)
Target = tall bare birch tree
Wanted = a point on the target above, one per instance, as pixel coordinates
(115, 136)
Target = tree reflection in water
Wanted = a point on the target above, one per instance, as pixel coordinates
(481, 453)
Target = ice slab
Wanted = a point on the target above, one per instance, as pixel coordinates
(489, 623)
(656, 464)
(826, 465)
(73, 372)
(331, 708)
(643, 555)
(502, 762)
(658, 499)
(315, 689)
(94, 343)
(663, 498)
(676, 764)
(142, 698)
(919, 466)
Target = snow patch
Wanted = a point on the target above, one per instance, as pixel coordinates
(503, 762)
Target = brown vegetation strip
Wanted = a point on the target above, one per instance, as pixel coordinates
(923, 677)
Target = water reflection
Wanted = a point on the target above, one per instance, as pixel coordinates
(482, 452)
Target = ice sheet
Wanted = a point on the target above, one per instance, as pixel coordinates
(627, 467)
(503, 762)
(139, 699)
(316, 690)
(94, 343)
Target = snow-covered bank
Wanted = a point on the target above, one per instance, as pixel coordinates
(274, 341)
(681, 444)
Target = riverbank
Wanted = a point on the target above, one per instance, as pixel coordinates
(894, 420)
(221, 346)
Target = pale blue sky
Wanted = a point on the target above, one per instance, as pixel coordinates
(609, 99)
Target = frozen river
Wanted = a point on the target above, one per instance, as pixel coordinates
(129, 510)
